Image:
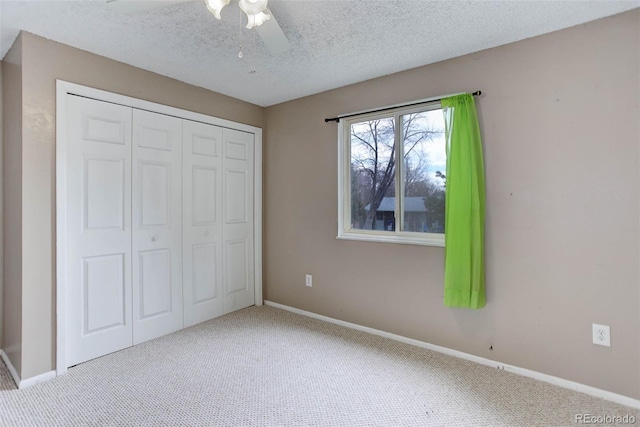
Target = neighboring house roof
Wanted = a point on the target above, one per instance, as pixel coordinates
(411, 204)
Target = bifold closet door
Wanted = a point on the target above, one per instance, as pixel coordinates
(237, 230)
(157, 225)
(98, 207)
(202, 222)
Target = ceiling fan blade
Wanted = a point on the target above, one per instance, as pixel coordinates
(134, 6)
(273, 37)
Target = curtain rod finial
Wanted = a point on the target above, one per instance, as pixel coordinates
(477, 93)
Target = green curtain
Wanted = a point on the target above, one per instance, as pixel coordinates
(465, 205)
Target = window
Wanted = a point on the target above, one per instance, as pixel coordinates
(393, 176)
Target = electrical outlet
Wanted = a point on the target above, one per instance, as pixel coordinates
(309, 280)
(601, 335)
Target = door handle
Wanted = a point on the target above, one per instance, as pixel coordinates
(154, 238)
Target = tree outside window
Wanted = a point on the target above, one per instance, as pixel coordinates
(403, 154)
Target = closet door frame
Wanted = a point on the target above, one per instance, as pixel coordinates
(63, 89)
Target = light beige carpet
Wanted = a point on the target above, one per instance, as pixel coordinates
(266, 367)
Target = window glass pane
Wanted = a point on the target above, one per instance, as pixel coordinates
(424, 171)
(373, 175)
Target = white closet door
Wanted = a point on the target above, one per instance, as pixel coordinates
(98, 204)
(157, 225)
(202, 222)
(238, 253)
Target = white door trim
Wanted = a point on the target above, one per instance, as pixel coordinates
(64, 88)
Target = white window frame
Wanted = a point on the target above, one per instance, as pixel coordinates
(345, 232)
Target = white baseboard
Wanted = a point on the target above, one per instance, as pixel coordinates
(37, 379)
(560, 382)
(12, 370)
(29, 381)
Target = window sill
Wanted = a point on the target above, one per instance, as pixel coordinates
(436, 240)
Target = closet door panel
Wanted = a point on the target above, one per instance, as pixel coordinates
(103, 286)
(238, 228)
(205, 268)
(98, 258)
(104, 193)
(155, 194)
(237, 263)
(155, 283)
(157, 225)
(202, 222)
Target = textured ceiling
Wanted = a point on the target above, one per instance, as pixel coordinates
(334, 43)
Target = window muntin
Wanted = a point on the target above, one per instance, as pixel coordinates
(372, 176)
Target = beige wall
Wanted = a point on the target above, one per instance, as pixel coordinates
(559, 117)
(12, 205)
(43, 62)
(560, 121)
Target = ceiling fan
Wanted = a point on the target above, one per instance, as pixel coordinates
(258, 17)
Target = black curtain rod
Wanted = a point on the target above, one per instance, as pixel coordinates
(337, 119)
